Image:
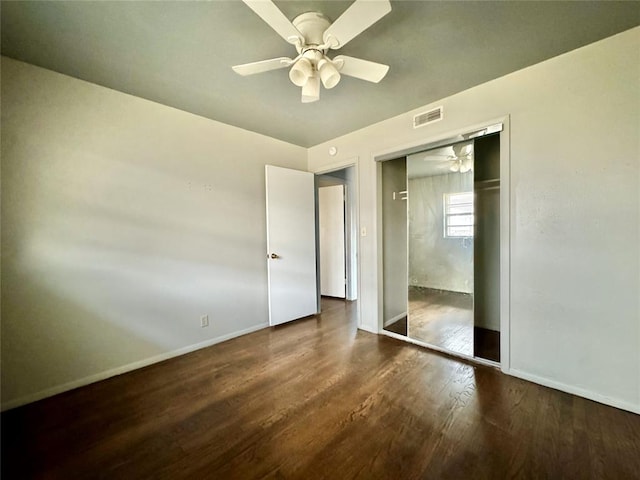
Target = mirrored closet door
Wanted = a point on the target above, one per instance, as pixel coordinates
(441, 247)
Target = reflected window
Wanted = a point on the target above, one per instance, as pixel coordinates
(458, 215)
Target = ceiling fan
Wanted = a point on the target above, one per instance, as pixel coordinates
(313, 35)
(461, 160)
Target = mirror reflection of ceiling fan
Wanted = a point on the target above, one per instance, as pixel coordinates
(461, 158)
(313, 35)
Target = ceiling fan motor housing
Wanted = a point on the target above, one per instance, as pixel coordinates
(312, 26)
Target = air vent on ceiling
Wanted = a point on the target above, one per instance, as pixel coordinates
(426, 118)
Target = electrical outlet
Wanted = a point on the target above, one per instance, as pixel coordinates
(204, 321)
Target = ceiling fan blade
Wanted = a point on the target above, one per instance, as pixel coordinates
(362, 69)
(262, 66)
(271, 14)
(355, 20)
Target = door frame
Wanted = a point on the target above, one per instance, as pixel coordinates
(354, 238)
(505, 229)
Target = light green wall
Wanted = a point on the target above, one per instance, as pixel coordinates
(123, 221)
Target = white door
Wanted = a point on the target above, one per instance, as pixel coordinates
(332, 251)
(291, 244)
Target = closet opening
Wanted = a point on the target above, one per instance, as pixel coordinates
(441, 245)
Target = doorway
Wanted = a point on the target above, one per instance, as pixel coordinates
(337, 230)
(332, 240)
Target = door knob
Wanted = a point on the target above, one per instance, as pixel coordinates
(275, 255)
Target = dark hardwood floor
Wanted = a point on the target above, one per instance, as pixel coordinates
(318, 399)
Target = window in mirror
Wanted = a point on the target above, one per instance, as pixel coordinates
(458, 215)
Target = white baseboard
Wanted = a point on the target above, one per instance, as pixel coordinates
(391, 320)
(367, 328)
(581, 392)
(49, 392)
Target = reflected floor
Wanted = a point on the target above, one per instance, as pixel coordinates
(445, 319)
(440, 318)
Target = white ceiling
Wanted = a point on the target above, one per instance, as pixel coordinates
(180, 54)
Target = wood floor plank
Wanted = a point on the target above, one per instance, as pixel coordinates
(318, 399)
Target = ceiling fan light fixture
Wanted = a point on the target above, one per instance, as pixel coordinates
(300, 72)
(328, 73)
(311, 89)
(312, 34)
